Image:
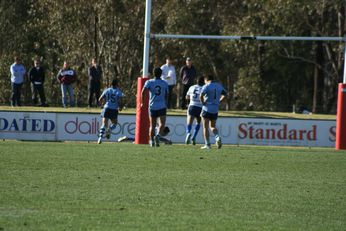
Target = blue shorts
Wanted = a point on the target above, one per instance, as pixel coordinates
(211, 116)
(109, 113)
(195, 111)
(158, 113)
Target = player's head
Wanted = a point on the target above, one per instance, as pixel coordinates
(200, 81)
(188, 61)
(157, 72)
(114, 83)
(66, 65)
(37, 62)
(17, 59)
(168, 60)
(208, 78)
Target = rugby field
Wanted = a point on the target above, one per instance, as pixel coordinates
(122, 186)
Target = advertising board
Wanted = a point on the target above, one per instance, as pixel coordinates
(84, 127)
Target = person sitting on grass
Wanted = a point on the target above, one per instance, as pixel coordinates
(165, 132)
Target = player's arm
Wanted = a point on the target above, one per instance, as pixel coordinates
(120, 103)
(223, 95)
(102, 98)
(143, 95)
(187, 97)
(201, 98)
(166, 95)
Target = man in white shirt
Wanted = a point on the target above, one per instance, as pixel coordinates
(18, 73)
(168, 74)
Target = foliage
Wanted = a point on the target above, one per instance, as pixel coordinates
(112, 31)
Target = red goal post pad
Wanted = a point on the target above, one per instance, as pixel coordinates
(142, 115)
(340, 142)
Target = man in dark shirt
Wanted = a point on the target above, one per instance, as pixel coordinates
(94, 85)
(37, 76)
(187, 75)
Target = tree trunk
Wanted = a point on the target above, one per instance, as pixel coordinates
(95, 36)
(317, 101)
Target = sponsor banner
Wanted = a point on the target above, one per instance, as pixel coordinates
(27, 126)
(253, 131)
(85, 127)
(286, 132)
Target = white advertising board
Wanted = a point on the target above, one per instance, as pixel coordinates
(27, 125)
(279, 132)
(84, 127)
(276, 132)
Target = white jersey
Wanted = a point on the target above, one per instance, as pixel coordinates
(193, 93)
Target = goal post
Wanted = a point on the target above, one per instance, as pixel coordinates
(260, 38)
(142, 114)
(340, 142)
(341, 108)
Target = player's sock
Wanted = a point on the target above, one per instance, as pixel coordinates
(207, 142)
(101, 134)
(188, 128)
(152, 142)
(188, 138)
(218, 142)
(109, 130)
(112, 127)
(195, 131)
(102, 131)
(157, 140)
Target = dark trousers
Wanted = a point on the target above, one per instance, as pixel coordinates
(93, 88)
(16, 94)
(183, 97)
(170, 94)
(37, 89)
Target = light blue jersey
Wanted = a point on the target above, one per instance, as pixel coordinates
(112, 97)
(17, 73)
(158, 89)
(212, 94)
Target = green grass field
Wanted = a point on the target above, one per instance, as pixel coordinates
(121, 186)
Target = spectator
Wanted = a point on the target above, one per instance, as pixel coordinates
(66, 77)
(37, 77)
(17, 78)
(94, 85)
(187, 75)
(168, 74)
